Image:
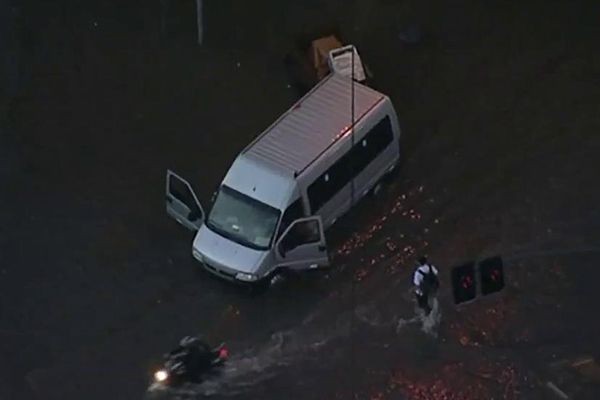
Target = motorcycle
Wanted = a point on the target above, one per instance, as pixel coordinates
(175, 372)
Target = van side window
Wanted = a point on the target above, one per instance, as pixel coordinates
(350, 165)
(330, 182)
(372, 144)
(292, 213)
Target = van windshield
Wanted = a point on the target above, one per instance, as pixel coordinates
(243, 219)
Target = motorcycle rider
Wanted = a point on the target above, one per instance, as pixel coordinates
(426, 283)
(190, 358)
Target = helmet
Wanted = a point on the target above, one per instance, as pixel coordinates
(188, 341)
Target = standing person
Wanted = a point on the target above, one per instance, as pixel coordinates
(426, 283)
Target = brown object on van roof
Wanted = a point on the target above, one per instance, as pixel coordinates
(319, 51)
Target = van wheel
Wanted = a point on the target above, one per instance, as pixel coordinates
(376, 190)
(392, 175)
(259, 288)
(276, 278)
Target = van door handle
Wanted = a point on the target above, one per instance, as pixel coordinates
(322, 247)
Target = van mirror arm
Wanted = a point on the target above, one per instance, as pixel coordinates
(281, 250)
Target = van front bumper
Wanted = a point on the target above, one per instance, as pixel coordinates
(224, 274)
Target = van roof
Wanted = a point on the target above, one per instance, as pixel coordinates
(313, 124)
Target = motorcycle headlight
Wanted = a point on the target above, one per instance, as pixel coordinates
(161, 375)
(242, 276)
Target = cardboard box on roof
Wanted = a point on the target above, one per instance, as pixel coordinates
(319, 51)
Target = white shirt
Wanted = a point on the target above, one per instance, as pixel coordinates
(423, 269)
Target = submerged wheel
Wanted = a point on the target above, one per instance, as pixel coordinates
(377, 188)
(276, 278)
(262, 286)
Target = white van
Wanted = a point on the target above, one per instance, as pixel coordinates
(292, 182)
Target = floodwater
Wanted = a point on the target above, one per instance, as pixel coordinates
(499, 107)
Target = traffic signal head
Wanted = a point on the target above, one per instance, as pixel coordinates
(464, 286)
(491, 271)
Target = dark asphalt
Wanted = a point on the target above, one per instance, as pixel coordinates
(500, 109)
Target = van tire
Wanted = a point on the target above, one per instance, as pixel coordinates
(259, 287)
(386, 179)
(376, 189)
(275, 278)
(268, 281)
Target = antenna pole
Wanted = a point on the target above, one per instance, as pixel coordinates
(352, 117)
(200, 21)
(352, 283)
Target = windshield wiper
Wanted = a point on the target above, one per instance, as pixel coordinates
(217, 229)
(238, 239)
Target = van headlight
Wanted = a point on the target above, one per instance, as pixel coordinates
(197, 255)
(242, 276)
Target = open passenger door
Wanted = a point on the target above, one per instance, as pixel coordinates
(302, 245)
(182, 203)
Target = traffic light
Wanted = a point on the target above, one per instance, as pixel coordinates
(463, 283)
(491, 272)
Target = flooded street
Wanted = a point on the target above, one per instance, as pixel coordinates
(499, 106)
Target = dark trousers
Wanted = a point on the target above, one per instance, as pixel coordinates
(423, 302)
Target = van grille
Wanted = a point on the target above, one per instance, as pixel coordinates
(219, 272)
